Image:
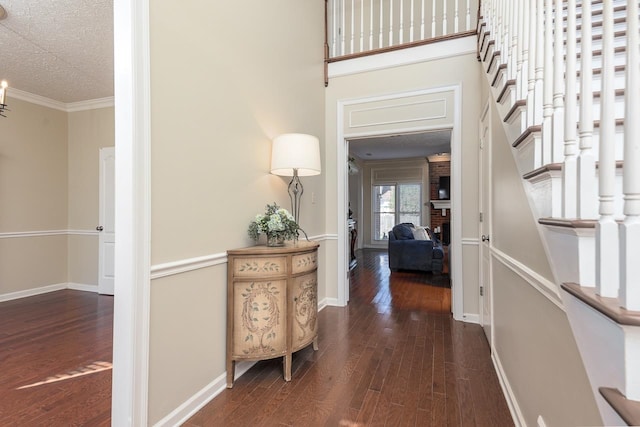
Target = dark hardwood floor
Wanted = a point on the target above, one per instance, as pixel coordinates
(393, 357)
(55, 360)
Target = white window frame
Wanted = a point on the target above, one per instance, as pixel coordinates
(396, 212)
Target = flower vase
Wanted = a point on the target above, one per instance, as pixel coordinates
(275, 240)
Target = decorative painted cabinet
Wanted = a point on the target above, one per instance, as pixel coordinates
(272, 303)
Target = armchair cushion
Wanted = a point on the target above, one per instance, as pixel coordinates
(403, 231)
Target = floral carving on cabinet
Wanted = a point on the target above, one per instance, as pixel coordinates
(306, 262)
(306, 307)
(261, 318)
(254, 267)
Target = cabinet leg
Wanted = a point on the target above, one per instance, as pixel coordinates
(231, 372)
(287, 367)
(315, 343)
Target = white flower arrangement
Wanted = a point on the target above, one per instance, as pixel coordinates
(276, 223)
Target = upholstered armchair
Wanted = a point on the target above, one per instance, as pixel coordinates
(408, 253)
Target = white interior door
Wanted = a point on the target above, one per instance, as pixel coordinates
(486, 290)
(106, 228)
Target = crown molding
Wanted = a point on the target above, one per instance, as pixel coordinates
(91, 104)
(69, 107)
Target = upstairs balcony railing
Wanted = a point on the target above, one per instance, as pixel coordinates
(362, 27)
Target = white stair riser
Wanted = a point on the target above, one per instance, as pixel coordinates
(546, 194)
(572, 253)
(546, 191)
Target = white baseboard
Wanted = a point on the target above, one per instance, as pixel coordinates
(32, 292)
(83, 287)
(196, 402)
(471, 318)
(516, 413)
(46, 289)
(333, 302)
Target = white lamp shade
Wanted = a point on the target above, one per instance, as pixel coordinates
(291, 151)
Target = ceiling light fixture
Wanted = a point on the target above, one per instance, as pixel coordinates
(3, 13)
(3, 94)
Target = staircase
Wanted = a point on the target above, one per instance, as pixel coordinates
(565, 77)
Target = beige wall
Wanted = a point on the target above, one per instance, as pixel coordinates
(463, 70)
(215, 108)
(533, 340)
(89, 131)
(33, 196)
(49, 182)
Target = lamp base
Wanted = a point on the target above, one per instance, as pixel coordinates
(295, 190)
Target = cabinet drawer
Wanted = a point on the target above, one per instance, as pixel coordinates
(259, 266)
(305, 262)
(259, 318)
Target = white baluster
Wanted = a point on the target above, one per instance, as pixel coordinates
(334, 27)
(531, 63)
(607, 249)
(504, 12)
(570, 167)
(539, 63)
(558, 85)
(522, 46)
(380, 39)
(411, 27)
(342, 22)
(547, 95)
(468, 16)
(630, 229)
(500, 16)
(455, 16)
(513, 61)
(401, 28)
(444, 18)
(371, 24)
(433, 18)
(422, 15)
(353, 27)
(361, 25)
(390, 23)
(587, 201)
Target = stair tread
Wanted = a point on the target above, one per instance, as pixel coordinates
(528, 131)
(568, 222)
(608, 306)
(546, 168)
(629, 410)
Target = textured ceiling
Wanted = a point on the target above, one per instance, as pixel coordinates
(401, 146)
(59, 49)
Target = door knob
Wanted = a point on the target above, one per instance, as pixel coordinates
(100, 228)
(485, 238)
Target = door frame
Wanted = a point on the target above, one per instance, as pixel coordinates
(485, 226)
(130, 376)
(342, 153)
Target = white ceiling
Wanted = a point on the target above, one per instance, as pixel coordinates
(401, 146)
(59, 49)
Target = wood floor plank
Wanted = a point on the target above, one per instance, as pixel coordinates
(47, 341)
